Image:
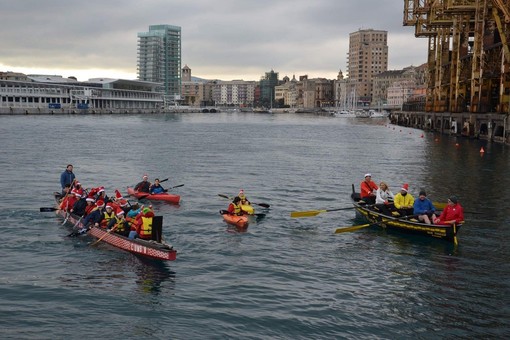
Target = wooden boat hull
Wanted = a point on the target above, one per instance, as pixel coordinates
(237, 221)
(166, 197)
(444, 232)
(146, 248)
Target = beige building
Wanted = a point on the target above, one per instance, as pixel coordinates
(287, 92)
(235, 93)
(195, 93)
(368, 56)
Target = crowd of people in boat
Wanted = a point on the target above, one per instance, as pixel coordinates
(404, 205)
(95, 208)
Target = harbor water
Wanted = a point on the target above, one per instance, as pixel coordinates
(284, 278)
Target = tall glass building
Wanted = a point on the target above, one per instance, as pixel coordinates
(159, 58)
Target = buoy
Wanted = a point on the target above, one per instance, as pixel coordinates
(482, 150)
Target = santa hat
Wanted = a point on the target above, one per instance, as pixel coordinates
(368, 175)
(119, 212)
(109, 206)
(241, 193)
(123, 202)
(101, 189)
(118, 195)
(100, 203)
(90, 199)
(405, 187)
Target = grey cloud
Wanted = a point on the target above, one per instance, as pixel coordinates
(226, 38)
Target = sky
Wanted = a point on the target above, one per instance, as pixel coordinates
(221, 39)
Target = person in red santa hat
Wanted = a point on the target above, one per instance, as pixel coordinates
(90, 204)
(96, 215)
(120, 224)
(404, 201)
(144, 185)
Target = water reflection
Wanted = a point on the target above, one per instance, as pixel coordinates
(152, 274)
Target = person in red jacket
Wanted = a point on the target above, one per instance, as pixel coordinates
(368, 189)
(453, 213)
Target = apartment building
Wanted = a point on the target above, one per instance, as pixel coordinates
(367, 57)
(159, 58)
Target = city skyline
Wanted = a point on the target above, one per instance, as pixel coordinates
(223, 39)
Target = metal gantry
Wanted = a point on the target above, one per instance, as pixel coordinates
(468, 54)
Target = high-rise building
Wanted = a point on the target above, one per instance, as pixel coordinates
(159, 58)
(368, 56)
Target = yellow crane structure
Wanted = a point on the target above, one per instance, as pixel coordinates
(468, 53)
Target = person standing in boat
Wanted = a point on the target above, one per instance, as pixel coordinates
(156, 188)
(384, 199)
(404, 201)
(368, 190)
(423, 208)
(67, 177)
(144, 185)
(453, 213)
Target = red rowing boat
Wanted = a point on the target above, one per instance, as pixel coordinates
(165, 196)
(146, 248)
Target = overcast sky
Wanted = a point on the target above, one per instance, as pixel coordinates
(221, 39)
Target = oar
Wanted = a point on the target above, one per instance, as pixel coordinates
(175, 186)
(442, 205)
(102, 237)
(47, 209)
(311, 213)
(356, 227)
(264, 205)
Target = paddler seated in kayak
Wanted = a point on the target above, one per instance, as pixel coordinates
(245, 204)
(144, 185)
(235, 208)
(156, 188)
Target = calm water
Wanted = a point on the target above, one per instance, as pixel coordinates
(284, 278)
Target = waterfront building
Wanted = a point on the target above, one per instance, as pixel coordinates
(13, 76)
(367, 57)
(236, 93)
(196, 92)
(159, 59)
(44, 94)
(286, 93)
(384, 80)
(267, 84)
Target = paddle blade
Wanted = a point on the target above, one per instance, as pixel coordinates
(177, 186)
(310, 213)
(47, 209)
(353, 228)
(224, 196)
(439, 205)
(264, 205)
